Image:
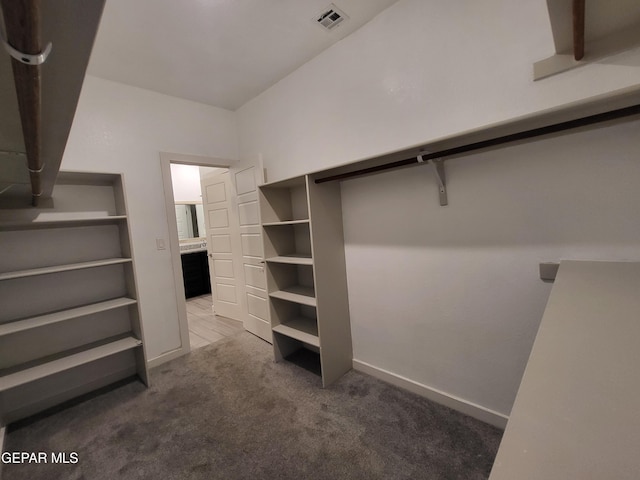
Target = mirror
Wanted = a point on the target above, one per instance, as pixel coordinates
(190, 219)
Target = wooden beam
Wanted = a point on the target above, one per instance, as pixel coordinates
(22, 25)
(578, 29)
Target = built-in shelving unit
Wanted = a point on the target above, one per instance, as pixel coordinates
(306, 279)
(70, 321)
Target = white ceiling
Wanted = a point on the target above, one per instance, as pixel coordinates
(218, 52)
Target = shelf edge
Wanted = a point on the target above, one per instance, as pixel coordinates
(59, 365)
(296, 334)
(62, 268)
(287, 222)
(294, 297)
(291, 260)
(17, 326)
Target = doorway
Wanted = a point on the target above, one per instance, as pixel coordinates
(232, 242)
(202, 197)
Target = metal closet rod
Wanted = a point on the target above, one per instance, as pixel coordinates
(535, 132)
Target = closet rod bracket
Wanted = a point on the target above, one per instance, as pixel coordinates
(437, 167)
(26, 58)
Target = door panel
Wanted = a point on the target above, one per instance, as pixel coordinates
(216, 193)
(246, 181)
(257, 306)
(246, 187)
(254, 277)
(249, 213)
(220, 243)
(219, 218)
(251, 245)
(227, 293)
(223, 268)
(223, 245)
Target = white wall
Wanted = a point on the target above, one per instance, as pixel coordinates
(420, 70)
(449, 297)
(185, 180)
(118, 128)
(186, 183)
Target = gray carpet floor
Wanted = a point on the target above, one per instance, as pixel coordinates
(228, 411)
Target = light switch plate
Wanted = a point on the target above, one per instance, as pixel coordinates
(160, 244)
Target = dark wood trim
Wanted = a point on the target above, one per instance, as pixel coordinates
(578, 28)
(493, 142)
(22, 24)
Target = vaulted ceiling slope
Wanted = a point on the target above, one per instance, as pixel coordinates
(218, 52)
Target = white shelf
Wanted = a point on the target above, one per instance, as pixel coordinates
(62, 268)
(297, 294)
(292, 259)
(53, 222)
(51, 318)
(288, 222)
(303, 329)
(580, 386)
(38, 372)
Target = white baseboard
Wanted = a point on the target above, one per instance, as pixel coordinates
(167, 356)
(468, 408)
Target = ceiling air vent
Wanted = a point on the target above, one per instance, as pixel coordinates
(331, 17)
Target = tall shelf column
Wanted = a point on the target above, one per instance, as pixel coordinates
(306, 275)
(70, 321)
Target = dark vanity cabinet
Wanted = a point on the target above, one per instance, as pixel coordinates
(195, 273)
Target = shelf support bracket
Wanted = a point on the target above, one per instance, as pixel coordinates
(437, 167)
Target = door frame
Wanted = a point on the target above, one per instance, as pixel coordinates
(166, 159)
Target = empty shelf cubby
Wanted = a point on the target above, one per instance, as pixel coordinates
(295, 320)
(292, 282)
(287, 241)
(284, 202)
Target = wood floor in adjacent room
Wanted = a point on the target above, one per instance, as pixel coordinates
(205, 327)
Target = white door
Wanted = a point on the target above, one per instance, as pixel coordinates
(223, 245)
(256, 321)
